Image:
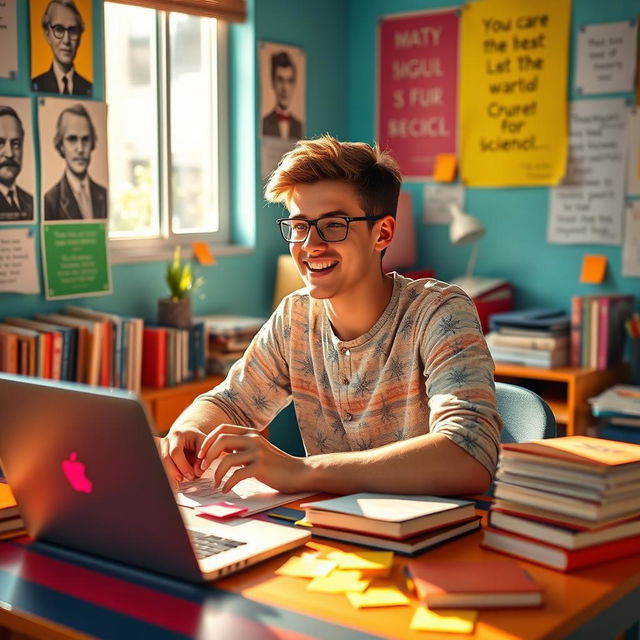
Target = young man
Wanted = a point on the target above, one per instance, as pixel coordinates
(391, 378)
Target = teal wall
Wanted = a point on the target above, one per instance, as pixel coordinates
(515, 245)
(237, 283)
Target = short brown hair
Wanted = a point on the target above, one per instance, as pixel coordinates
(373, 173)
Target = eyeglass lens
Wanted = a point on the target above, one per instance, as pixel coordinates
(59, 31)
(329, 229)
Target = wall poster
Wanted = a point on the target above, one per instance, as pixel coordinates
(417, 89)
(513, 88)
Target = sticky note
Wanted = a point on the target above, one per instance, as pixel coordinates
(453, 621)
(306, 567)
(221, 510)
(378, 597)
(202, 253)
(339, 581)
(370, 563)
(446, 166)
(593, 269)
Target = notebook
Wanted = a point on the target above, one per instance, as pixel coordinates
(86, 474)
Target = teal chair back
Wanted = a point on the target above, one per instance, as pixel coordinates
(525, 415)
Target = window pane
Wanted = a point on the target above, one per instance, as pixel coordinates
(132, 96)
(193, 81)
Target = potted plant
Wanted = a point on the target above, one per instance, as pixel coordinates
(175, 311)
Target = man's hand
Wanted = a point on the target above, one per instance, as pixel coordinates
(178, 451)
(255, 455)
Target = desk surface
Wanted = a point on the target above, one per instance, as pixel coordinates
(51, 593)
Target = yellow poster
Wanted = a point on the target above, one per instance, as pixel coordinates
(513, 92)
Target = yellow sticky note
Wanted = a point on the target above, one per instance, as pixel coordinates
(378, 597)
(593, 269)
(202, 253)
(370, 563)
(453, 621)
(446, 166)
(306, 567)
(339, 582)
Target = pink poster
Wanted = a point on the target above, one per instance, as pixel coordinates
(417, 89)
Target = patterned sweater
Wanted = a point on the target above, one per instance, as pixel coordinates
(423, 367)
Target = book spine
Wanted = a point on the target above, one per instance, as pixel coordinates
(603, 333)
(575, 331)
(585, 333)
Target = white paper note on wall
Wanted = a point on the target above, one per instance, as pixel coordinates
(631, 244)
(8, 39)
(606, 57)
(588, 207)
(18, 269)
(633, 166)
(437, 198)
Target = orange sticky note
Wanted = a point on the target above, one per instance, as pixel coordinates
(446, 166)
(593, 269)
(202, 253)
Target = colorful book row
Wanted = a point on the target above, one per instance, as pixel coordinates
(598, 329)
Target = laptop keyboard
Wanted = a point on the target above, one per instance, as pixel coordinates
(207, 545)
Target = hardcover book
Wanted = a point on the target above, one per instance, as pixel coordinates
(473, 584)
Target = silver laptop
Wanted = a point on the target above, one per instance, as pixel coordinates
(86, 473)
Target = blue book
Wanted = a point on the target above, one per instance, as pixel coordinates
(535, 319)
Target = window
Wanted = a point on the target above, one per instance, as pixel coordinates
(165, 77)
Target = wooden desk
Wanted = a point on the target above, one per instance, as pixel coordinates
(565, 389)
(50, 593)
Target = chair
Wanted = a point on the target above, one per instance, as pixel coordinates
(525, 415)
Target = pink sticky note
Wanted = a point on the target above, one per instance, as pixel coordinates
(221, 510)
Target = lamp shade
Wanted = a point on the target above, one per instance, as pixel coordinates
(464, 228)
(288, 278)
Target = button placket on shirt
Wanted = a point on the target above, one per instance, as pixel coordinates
(344, 373)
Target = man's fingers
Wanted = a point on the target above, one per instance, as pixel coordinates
(238, 459)
(237, 476)
(225, 443)
(179, 458)
(172, 471)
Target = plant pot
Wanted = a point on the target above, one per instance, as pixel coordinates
(174, 313)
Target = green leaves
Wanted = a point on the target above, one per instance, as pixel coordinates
(180, 279)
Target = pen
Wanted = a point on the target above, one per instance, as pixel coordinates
(282, 516)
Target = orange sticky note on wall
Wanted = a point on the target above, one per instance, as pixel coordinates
(203, 254)
(593, 269)
(446, 166)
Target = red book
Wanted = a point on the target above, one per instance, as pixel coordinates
(154, 357)
(576, 331)
(453, 584)
(556, 557)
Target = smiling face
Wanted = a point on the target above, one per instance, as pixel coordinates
(76, 144)
(11, 138)
(337, 269)
(63, 49)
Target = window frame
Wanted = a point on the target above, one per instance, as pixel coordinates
(143, 249)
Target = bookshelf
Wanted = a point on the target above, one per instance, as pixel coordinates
(165, 405)
(565, 389)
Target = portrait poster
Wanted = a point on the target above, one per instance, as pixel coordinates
(631, 241)
(417, 94)
(17, 162)
(283, 77)
(62, 45)
(587, 208)
(18, 265)
(74, 202)
(9, 39)
(513, 92)
(606, 57)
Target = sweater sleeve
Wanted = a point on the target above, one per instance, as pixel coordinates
(257, 386)
(459, 374)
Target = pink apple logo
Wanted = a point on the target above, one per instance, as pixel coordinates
(74, 471)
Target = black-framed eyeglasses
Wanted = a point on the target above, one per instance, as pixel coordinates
(330, 229)
(58, 31)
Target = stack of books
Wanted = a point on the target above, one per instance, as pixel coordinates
(532, 337)
(598, 329)
(618, 413)
(78, 345)
(402, 523)
(171, 356)
(11, 524)
(227, 337)
(566, 503)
